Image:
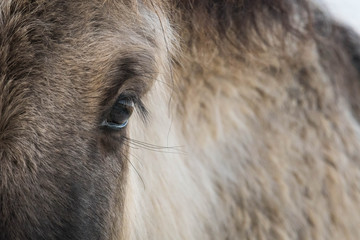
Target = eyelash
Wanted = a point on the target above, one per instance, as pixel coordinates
(139, 106)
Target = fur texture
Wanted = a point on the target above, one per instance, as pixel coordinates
(252, 129)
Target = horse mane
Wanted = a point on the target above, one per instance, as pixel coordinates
(239, 22)
(240, 16)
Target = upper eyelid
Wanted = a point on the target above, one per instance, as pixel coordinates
(127, 102)
(136, 101)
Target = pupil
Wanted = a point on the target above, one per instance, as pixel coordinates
(120, 114)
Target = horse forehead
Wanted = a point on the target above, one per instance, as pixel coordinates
(39, 48)
(29, 36)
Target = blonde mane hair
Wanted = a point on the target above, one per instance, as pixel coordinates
(261, 134)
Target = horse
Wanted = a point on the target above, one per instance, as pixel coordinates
(167, 119)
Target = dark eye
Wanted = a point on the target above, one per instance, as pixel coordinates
(120, 113)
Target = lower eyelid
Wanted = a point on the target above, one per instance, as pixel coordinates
(107, 124)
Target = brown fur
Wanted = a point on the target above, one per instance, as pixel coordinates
(252, 129)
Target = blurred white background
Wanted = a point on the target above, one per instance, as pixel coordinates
(347, 11)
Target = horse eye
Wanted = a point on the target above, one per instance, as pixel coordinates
(120, 113)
